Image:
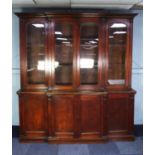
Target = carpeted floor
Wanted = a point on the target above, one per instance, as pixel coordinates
(110, 148)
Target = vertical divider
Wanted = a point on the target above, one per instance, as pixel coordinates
(51, 53)
(51, 117)
(106, 55)
(76, 117)
(75, 34)
(104, 115)
(101, 54)
(78, 53)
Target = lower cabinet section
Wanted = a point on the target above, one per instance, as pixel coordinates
(94, 117)
(76, 117)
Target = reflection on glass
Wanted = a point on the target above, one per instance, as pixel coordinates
(41, 65)
(86, 63)
(119, 32)
(89, 53)
(35, 44)
(63, 54)
(58, 32)
(117, 51)
(56, 64)
(118, 25)
(38, 25)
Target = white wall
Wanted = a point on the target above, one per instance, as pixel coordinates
(137, 76)
(137, 68)
(15, 69)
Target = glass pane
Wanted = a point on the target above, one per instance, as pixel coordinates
(89, 53)
(63, 54)
(117, 51)
(35, 44)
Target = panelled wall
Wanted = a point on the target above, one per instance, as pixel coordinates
(137, 73)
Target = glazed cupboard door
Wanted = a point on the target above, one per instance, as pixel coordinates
(88, 54)
(63, 54)
(118, 35)
(33, 53)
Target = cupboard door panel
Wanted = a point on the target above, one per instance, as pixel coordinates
(118, 112)
(36, 49)
(64, 115)
(33, 114)
(90, 111)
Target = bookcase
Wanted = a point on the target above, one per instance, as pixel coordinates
(76, 77)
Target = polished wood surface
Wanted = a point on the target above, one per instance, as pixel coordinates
(33, 115)
(64, 102)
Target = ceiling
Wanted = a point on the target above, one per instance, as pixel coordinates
(102, 4)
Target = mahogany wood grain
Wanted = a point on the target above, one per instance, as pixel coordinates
(120, 106)
(33, 115)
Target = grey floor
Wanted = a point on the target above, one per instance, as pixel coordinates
(110, 148)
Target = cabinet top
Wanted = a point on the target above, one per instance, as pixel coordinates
(99, 14)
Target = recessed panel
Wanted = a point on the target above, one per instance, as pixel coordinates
(90, 113)
(33, 112)
(118, 113)
(64, 114)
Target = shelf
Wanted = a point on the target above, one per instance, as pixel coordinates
(114, 82)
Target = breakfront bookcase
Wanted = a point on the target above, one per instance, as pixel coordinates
(76, 77)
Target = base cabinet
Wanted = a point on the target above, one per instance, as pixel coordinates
(76, 118)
